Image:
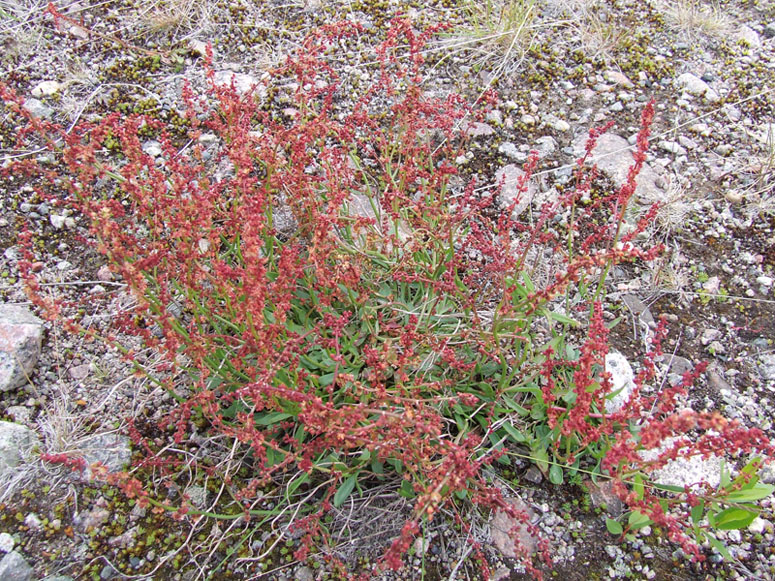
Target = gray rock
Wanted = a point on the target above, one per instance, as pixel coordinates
(767, 366)
(21, 334)
(37, 109)
(622, 382)
(478, 129)
(696, 86)
(533, 475)
(15, 443)
(304, 573)
(84, 522)
(242, 83)
(749, 36)
(613, 156)
(602, 494)
(510, 150)
(13, 567)
(545, 146)
(769, 30)
(113, 451)
(510, 175)
(506, 532)
(19, 413)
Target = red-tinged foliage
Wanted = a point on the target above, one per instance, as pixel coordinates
(398, 340)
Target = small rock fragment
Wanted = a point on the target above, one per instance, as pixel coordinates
(21, 334)
(502, 525)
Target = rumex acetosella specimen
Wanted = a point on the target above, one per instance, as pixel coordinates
(398, 332)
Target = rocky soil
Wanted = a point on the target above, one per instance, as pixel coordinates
(575, 64)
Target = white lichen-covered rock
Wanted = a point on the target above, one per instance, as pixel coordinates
(21, 334)
(613, 157)
(622, 380)
(15, 443)
(684, 471)
(13, 567)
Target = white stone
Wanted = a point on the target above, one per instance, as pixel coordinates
(46, 89)
(696, 86)
(749, 36)
(758, 526)
(21, 334)
(242, 83)
(6, 543)
(622, 384)
(57, 221)
(613, 157)
(684, 471)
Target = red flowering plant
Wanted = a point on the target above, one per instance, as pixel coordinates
(337, 303)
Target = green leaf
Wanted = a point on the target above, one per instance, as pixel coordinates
(271, 418)
(406, 490)
(528, 283)
(514, 433)
(555, 474)
(697, 512)
(734, 518)
(638, 487)
(724, 475)
(560, 318)
(344, 490)
(638, 520)
(757, 492)
(540, 457)
(613, 526)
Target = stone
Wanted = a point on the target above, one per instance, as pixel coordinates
(557, 124)
(21, 334)
(85, 522)
(749, 36)
(13, 567)
(304, 573)
(767, 366)
(57, 221)
(6, 543)
(113, 451)
(478, 129)
(510, 150)
(613, 157)
(622, 381)
(15, 443)
(46, 89)
(37, 109)
(602, 494)
(510, 175)
(533, 474)
(242, 83)
(684, 471)
(512, 536)
(618, 78)
(696, 86)
(79, 372)
(545, 146)
(104, 274)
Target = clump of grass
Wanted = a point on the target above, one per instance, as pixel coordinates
(693, 18)
(395, 335)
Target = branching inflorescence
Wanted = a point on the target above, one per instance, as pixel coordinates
(396, 329)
